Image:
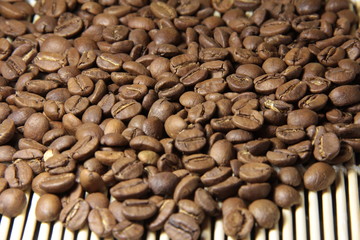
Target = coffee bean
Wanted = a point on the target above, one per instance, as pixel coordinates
(19, 175)
(9, 207)
(133, 188)
(286, 196)
(7, 131)
(226, 188)
(101, 222)
(255, 172)
(163, 183)
(57, 183)
(74, 215)
(238, 223)
(175, 227)
(48, 208)
(127, 168)
(265, 218)
(198, 163)
(127, 230)
(206, 202)
(190, 140)
(138, 209)
(254, 191)
(166, 209)
(186, 187)
(319, 176)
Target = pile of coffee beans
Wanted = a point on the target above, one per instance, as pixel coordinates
(180, 110)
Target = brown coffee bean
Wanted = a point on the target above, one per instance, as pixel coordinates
(57, 183)
(182, 226)
(7, 131)
(255, 172)
(186, 187)
(128, 230)
(225, 188)
(254, 191)
(290, 134)
(48, 208)
(286, 196)
(190, 140)
(249, 120)
(138, 209)
(74, 215)
(9, 207)
(163, 183)
(215, 175)
(206, 202)
(265, 212)
(133, 188)
(97, 200)
(319, 176)
(238, 223)
(19, 175)
(101, 222)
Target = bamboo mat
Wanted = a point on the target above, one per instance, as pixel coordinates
(331, 214)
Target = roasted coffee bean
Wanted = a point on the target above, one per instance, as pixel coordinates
(19, 175)
(215, 176)
(57, 183)
(291, 91)
(254, 191)
(97, 200)
(282, 157)
(345, 95)
(238, 223)
(255, 172)
(268, 83)
(48, 208)
(133, 188)
(182, 226)
(138, 209)
(198, 163)
(74, 215)
(206, 202)
(290, 134)
(127, 168)
(167, 207)
(249, 120)
(127, 230)
(163, 183)
(9, 207)
(186, 187)
(326, 146)
(7, 131)
(265, 212)
(226, 188)
(190, 140)
(286, 196)
(319, 176)
(101, 222)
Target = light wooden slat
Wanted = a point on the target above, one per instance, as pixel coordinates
(151, 236)
(19, 221)
(260, 233)
(68, 235)
(341, 206)
(57, 231)
(219, 230)
(274, 233)
(328, 215)
(4, 227)
(206, 232)
(300, 218)
(44, 231)
(314, 217)
(287, 227)
(353, 191)
(163, 236)
(31, 219)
